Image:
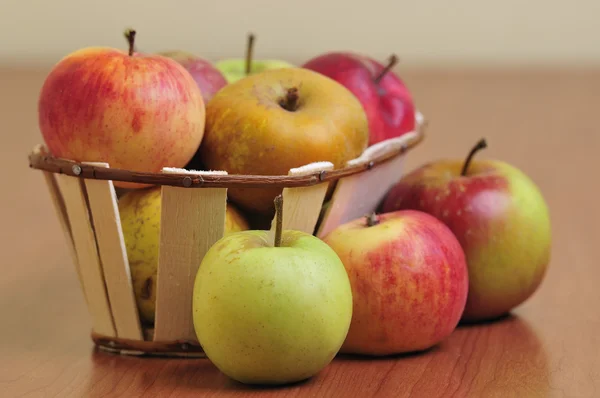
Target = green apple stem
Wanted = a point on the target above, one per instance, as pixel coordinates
(249, 49)
(393, 60)
(130, 36)
(290, 101)
(481, 144)
(372, 219)
(278, 219)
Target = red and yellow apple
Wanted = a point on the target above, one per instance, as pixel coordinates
(208, 78)
(134, 111)
(500, 218)
(384, 96)
(409, 281)
(270, 122)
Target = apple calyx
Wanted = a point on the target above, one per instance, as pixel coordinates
(372, 220)
(249, 49)
(278, 220)
(130, 36)
(481, 144)
(290, 101)
(392, 61)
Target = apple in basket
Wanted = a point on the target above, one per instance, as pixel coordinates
(271, 311)
(235, 69)
(140, 212)
(131, 110)
(270, 122)
(208, 78)
(384, 96)
(409, 281)
(500, 218)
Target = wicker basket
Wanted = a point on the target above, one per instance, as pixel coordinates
(86, 203)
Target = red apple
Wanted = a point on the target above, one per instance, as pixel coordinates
(409, 281)
(384, 96)
(208, 78)
(498, 215)
(134, 111)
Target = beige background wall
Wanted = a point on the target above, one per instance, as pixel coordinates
(421, 32)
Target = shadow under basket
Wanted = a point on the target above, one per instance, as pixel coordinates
(193, 209)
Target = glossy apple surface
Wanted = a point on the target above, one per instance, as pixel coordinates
(280, 119)
(134, 111)
(384, 96)
(409, 281)
(208, 78)
(500, 218)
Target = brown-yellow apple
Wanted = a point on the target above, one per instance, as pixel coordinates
(272, 121)
(134, 111)
(140, 220)
(500, 218)
(409, 281)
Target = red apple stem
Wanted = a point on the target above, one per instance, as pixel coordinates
(372, 219)
(130, 36)
(290, 101)
(481, 144)
(393, 60)
(249, 50)
(278, 219)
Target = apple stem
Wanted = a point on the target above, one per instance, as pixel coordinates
(290, 101)
(481, 144)
(130, 36)
(372, 219)
(393, 60)
(279, 219)
(249, 49)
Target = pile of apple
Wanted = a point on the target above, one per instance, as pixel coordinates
(454, 240)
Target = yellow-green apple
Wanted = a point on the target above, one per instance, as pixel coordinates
(208, 78)
(280, 119)
(385, 97)
(235, 69)
(139, 212)
(409, 281)
(134, 111)
(500, 218)
(271, 312)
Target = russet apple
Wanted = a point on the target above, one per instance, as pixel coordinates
(134, 111)
(280, 119)
(235, 69)
(208, 78)
(500, 218)
(409, 281)
(271, 312)
(386, 99)
(140, 211)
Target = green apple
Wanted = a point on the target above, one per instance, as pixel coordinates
(235, 69)
(271, 312)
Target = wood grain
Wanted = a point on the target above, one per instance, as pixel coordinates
(542, 121)
(113, 256)
(192, 220)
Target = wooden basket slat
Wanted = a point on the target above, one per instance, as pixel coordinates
(302, 205)
(74, 196)
(113, 256)
(192, 220)
(360, 194)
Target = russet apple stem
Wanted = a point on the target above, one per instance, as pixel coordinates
(278, 219)
(249, 49)
(290, 101)
(130, 36)
(481, 144)
(393, 60)
(372, 220)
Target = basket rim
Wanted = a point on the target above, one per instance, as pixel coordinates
(40, 159)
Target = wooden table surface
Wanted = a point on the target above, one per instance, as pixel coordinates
(544, 122)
